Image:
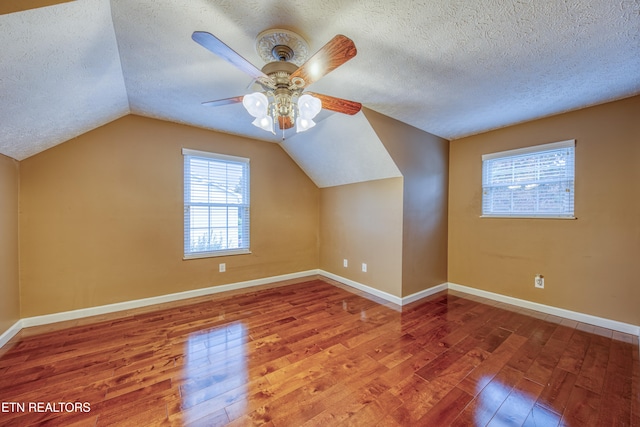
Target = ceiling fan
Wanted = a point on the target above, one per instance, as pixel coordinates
(284, 78)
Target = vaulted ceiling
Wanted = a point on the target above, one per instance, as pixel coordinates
(449, 67)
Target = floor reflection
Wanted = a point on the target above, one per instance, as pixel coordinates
(317, 355)
(500, 404)
(215, 373)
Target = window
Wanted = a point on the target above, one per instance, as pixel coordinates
(533, 182)
(216, 204)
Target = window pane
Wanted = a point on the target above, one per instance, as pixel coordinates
(216, 203)
(523, 201)
(203, 240)
(538, 183)
(199, 217)
(218, 217)
(501, 200)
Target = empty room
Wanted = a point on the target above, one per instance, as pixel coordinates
(288, 213)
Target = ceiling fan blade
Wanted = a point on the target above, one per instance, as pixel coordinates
(339, 50)
(337, 104)
(215, 45)
(224, 101)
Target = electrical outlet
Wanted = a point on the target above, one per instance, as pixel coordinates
(222, 267)
(345, 263)
(538, 281)
(364, 267)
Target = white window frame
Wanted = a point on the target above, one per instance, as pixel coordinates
(565, 183)
(243, 207)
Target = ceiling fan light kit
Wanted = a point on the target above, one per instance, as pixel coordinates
(308, 107)
(284, 78)
(256, 104)
(264, 123)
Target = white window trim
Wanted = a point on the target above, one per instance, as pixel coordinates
(528, 217)
(569, 143)
(230, 252)
(207, 154)
(216, 156)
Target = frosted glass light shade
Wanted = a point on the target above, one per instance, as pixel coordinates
(264, 123)
(303, 124)
(309, 106)
(256, 104)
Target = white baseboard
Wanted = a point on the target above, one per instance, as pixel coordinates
(10, 333)
(127, 305)
(385, 295)
(111, 308)
(368, 289)
(561, 312)
(423, 294)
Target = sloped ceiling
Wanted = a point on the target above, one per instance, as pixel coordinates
(449, 67)
(349, 150)
(60, 75)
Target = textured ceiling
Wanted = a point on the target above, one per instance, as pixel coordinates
(449, 67)
(349, 151)
(60, 75)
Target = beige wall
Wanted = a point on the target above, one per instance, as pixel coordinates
(9, 282)
(423, 160)
(592, 264)
(102, 217)
(11, 6)
(363, 223)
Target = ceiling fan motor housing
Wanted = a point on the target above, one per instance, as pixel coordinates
(282, 68)
(282, 90)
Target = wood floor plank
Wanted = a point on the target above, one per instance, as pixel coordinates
(416, 396)
(493, 364)
(542, 367)
(316, 352)
(635, 380)
(594, 366)
(573, 356)
(447, 409)
(516, 407)
(557, 391)
(582, 408)
(540, 416)
(616, 401)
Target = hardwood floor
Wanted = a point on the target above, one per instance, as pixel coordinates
(314, 353)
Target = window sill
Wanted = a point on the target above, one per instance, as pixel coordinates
(199, 255)
(528, 217)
